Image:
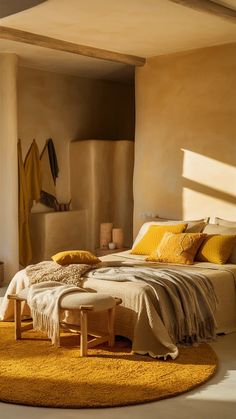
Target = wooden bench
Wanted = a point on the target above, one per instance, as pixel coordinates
(85, 302)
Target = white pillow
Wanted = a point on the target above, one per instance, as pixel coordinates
(225, 223)
(194, 226)
(220, 229)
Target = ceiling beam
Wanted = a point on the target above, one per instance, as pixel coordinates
(211, 7)
(8, 8)
(30, 38)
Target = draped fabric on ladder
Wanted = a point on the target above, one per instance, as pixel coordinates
(33, 174)
(29, 190)
(49, 170)
(25, 253)
(53, 159)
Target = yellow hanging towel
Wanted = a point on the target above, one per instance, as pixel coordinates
(33, 174)
(25, 251)
(29, 190)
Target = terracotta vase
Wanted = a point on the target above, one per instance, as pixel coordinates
(118, 237)
(105, 234)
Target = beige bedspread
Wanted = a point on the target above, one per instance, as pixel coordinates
(138, 307)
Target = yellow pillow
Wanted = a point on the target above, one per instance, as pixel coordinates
(177, 248)
(216, 248)
(153, 237)
(75, 256)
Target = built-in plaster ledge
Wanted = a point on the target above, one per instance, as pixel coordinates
(54, 232)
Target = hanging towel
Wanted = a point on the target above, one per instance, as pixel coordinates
(33, 174)
(48, 190)
(53, 159)
(25, 251)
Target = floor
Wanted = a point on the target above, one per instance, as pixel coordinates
(216, 399)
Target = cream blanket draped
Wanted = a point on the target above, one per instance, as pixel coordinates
(49, 283)
(185, 302)
(44, 302)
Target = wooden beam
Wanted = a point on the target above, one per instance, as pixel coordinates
(30, 38)
(11, 7)
(211, 7)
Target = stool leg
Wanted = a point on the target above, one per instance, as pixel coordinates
(84, 333)
(111, 321)
(17, 318)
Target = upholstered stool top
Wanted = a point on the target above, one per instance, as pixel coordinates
(75, 300)
(99, 301)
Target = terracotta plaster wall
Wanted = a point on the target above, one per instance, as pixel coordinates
(102, 184)
(185, 142)
(8, 166)
(64, 108)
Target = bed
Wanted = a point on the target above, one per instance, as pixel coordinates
(137, 318)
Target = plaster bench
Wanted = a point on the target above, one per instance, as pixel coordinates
(85, 302)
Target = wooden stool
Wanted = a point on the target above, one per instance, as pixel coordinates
(85, 302)
(17, 314)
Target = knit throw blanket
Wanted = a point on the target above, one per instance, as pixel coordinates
(44, 302)
(186, 302)
(51, 271)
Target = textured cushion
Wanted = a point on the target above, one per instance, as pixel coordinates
(225, 223)
(75, 256)
(177, 248)
(99, 301)
(194, 226)
(218, 229)
(153, 236)
(216, 248)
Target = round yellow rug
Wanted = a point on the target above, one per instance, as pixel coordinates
(33, 372)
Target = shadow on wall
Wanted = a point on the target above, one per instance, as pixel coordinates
(209, 185)
(206, 190)
(189, 185)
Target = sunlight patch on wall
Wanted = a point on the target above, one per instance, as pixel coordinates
(199, 205)
(209, 172)
(209, 187)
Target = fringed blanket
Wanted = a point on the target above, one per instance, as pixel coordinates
(185, 302)
(44, 302)
(49, 282)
